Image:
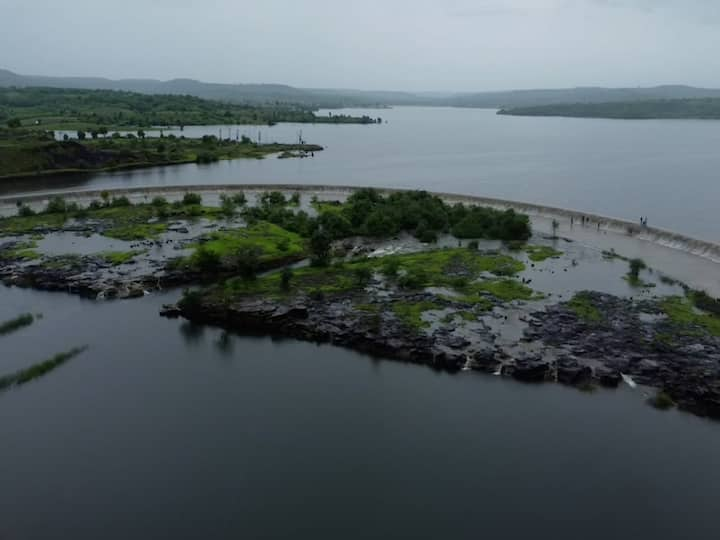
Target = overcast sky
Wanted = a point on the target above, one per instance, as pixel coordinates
(460, 45)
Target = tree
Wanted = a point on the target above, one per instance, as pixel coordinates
(81, 135)
(320, 247)
(14, 123)
(102, 130)
(141, 133)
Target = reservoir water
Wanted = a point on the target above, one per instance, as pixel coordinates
(667, 170)
(162, 429)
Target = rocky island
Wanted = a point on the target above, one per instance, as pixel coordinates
(404, 276)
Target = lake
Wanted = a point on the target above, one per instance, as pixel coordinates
(163, 429)
(664, 169)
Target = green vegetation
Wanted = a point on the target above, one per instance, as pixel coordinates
(24, 152)
(122, 220)
(117, 258)
(23, 251)
(367, 213)
(12, 325)
(701, 108)
(633, 275)
(584, 308)
(457, 269)
(247, 250)
(661, 401)
(411, 312)
(541, 253)
(35, 371)
(98, 112)
(683, 313)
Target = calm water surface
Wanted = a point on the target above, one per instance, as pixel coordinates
(164, 430)
(161, 431)
(667, 170)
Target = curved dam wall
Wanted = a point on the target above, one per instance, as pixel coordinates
(669, 239)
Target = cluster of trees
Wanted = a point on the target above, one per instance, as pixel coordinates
(368, 213)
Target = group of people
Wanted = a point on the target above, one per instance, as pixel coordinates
(643, 221)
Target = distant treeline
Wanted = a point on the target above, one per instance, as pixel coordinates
(705, 108)
(57, 108)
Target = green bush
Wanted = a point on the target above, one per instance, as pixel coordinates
(56, 205)
(25, 211)
(191, 198)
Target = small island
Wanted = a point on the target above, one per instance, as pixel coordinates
(405, 276)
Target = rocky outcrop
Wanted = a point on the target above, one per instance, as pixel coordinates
(567, 348)
(636, 339)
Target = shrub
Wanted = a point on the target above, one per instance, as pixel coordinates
(415, 279)
(285, 278)
(25, 211)
(248, 262)
(704, 301)
(390, 267)
(283, 244)
(56, 205)
(273, 198)
(190, 299)
(362, 274)
(227, 205)
(192, 198)
(119, 202)
(635, 266)
(206, 260)
(158, 201)
(320, 248)
(239, 199)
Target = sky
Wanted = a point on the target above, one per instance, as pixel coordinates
(412, 45)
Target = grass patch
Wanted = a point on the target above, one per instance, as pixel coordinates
(541, 253)
(12, 325)
(117, 258)
(15, 225)
(683, 313)
(457, 269)
(411, 313)
(584, 308)
(38, 370)
(139, 231)
(502, 289)
(273, 242)
(24, 251)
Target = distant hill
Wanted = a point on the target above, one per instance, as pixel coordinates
(235, 93)
(255, 94)
(701, 108)
(532, 98)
